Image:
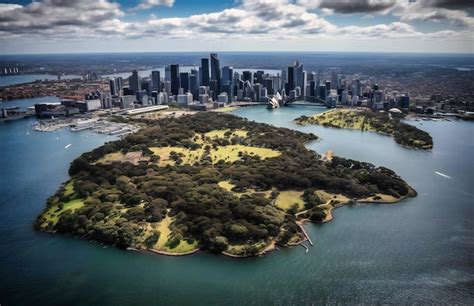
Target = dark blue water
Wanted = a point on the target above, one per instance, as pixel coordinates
(418, 251)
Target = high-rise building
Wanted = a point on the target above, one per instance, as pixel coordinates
(193, 85)
(299, 76)
(113, 87)
(119, 86)
(174, 74)
(155, 80)
(215, 70)
(134, 81)
(334, 80)
(247, 76)
(290, 85)
(204, 69)
(184, 81)
(167, 73)
(227, 73)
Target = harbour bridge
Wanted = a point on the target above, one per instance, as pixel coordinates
(307, 100)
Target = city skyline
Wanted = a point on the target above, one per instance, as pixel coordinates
(55, 26)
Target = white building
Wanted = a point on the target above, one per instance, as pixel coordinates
(185, 99)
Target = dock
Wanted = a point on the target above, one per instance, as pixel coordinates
(306, 234)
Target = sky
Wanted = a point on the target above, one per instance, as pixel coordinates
(76, 26)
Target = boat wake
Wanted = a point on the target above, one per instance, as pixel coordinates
(443, 175)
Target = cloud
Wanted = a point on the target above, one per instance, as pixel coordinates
(56, 16)
(283, 21)
(450, 4)
(433, 10)
(147, 4)
(354, 6)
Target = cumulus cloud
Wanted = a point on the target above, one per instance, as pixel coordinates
(147, 4)
(248, 19)
(354, 6)
(59, 16)
(434, 10)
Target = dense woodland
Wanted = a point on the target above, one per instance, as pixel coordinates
(403, 133)
(120, 198)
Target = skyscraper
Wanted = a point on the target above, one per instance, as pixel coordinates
(113, 87)
(134, 81)
(334, 80)
(227, 73)
(155, 80)
(119, 87)
(174, 75)
(247, 76)
(216, 71)
(299, 76)
(204, 72)
(290, 85)
(184, 81)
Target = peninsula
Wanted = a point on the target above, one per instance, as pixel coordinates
(403, 133)
(209, 181)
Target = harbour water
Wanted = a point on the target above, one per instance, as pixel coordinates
(8, 80)
(417, 251)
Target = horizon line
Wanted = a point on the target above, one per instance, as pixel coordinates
(236, 51)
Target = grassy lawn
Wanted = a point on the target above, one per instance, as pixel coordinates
(220, 133)
(228, 153)
(52, 215)
(326, 196)
(286, 199)
(190, 156)
(131, 157)
(110, 157)
(379, 197)
(164, 228)
(69, 188)
(227, 185)
(183, 247)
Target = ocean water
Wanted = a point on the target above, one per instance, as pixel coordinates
(417, 251)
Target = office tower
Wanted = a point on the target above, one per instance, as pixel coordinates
(334, 80)
(216, 71)
(204, 75)
(268, 84)
(227, 73)
(312, 88)
(259, 76)
(328, 86)
(184, 81)
(155, 80)
(174, 73)
(290, 85)
(227, 89)
(193, 85)
(119, 86)
(213, 88)
(299, 76)
(303, 84)
(113, 87)
(167, 73)
(322, 92)
(167, 88)
(146, 86)
(134, 82)
(263, 94)
(247, 76)
(277, 83)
